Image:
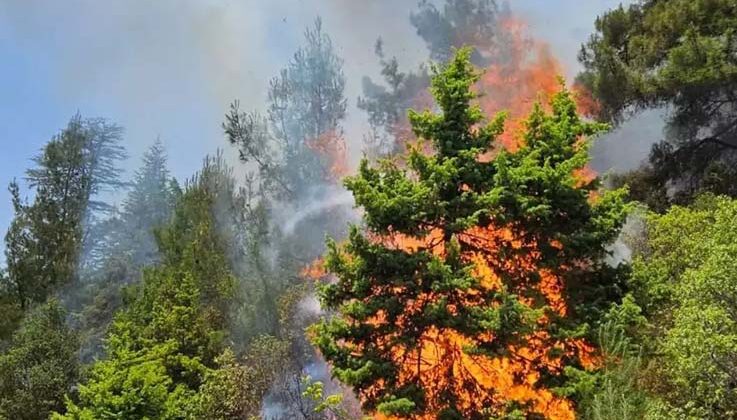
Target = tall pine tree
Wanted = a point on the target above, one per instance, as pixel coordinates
(478, 279)
(473, 23)
(162, 346)
(46, 238)
(148, 206)
(677, 56)
(295, 144)
(122, 246)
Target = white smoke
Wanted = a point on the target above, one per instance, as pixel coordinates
(631, 239)
(322, 199)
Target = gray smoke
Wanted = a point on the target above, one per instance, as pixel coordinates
(627, 146)
(631, 240)
(172, 67)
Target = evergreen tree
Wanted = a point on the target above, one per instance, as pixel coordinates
(478, 279)
(9, 307)
(306, 106)
(148, 206)
(386, 105)
(45, 239)
(296, 149)
(677, 55)
(164, 344)
(125, 243)
(472, 23)
(306, 103)
(236, 390)
(459, 23)
(40, 367)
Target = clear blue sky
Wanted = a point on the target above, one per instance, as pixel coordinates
(170, 68)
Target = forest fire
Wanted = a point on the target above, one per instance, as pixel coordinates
(468, 264)
(331, 146)
(522, 71)
(439, 361)
(486, 383)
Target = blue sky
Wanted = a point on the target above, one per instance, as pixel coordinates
(170, 68)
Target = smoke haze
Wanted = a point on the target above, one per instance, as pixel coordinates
(170, 68)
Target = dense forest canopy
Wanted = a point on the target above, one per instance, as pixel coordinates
(679, 55)
(475, 266)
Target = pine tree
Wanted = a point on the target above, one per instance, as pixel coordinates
(679, 57)
(458, 23)
(40, 367)
(306, 103)
(386, 105)
(293, 144)
(163, 345)
(479, 278)
(473, 23)
(148, 206)
(46, 238)
(123, 245)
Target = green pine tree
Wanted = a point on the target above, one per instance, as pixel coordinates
(46, 240)
(506, 267)
(306, 107)
(161, 346)
(678, 56)
(456, 23)
(40, 367)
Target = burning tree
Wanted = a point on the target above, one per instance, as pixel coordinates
(477, 280)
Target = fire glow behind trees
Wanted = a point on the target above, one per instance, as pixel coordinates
(477, 280)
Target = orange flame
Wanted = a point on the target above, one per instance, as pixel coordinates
(526, 74)
(315, 270)
(523, 73)
(482, 382)
(529, 73)
(332, 146)
(439, 362)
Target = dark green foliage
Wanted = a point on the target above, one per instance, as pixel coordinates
(236, 390)
(167, 352)
(45, 239)
(291, 149)
(40, 367)
(306, 101)
(45, 249)
(532, 192)
(124, 243)
(679, 55)
(198, 293)
(241, 220)
(163, 344)
(617, 392)
(158, 353)
(386, 105)
(9, 307)
(147, 206)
